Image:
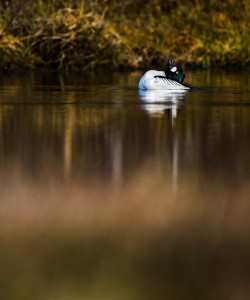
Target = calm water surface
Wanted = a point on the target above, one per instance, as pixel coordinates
(97, 126)
(95, 137)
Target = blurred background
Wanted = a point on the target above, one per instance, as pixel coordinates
(123, 34)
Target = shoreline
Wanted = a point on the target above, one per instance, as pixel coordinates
(77, 36)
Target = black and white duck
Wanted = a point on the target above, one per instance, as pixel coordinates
(170, 79)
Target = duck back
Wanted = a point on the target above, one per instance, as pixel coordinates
(157, 80)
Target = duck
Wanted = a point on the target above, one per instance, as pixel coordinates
(170, 79)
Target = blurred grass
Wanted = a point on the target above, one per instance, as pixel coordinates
(80, 35)
(84, 241)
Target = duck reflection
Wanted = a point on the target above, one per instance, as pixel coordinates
(156, 102)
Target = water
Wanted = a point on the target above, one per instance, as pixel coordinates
(97, 126)
(108, 193)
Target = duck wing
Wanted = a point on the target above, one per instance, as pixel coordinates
(164, 82)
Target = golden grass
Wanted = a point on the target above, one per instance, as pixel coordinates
(80, 35)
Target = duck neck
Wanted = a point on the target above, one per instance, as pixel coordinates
(169, 75)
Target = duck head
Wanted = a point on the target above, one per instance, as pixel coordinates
(174, 72)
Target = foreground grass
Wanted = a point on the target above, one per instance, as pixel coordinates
(140, 241)
(80, 35)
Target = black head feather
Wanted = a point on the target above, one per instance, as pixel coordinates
(174, 72)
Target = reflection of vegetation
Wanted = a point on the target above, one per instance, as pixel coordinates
(163, 231)
(87, 34)
(61, 121)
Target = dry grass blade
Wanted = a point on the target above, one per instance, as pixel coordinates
(80, 35)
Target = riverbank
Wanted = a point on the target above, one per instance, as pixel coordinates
(78, 35)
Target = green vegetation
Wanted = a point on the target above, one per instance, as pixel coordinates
(82, 34)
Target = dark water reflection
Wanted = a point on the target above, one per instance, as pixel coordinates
(98, 126)
(91, 137)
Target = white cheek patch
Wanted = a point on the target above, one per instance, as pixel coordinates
(173, 69)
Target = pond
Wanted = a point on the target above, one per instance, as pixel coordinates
(98, 126)
(94, 174)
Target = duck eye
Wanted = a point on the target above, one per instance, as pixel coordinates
(176, 72)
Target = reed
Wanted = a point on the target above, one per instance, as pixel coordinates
(77, 35)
